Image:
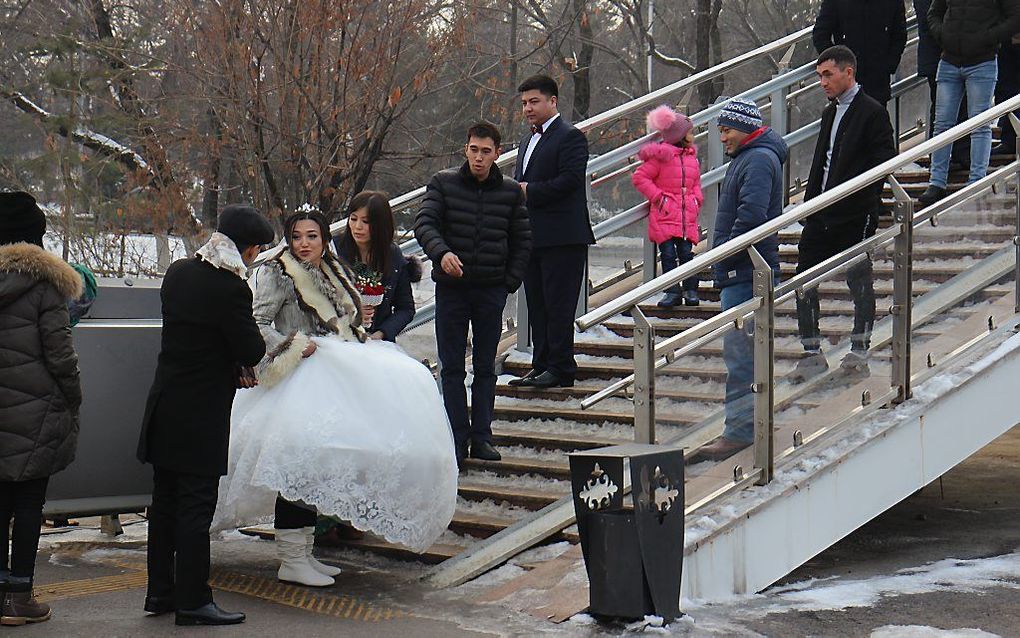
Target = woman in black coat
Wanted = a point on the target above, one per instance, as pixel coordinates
(39, 394)
(367, 245)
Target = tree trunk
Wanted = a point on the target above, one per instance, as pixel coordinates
(582, 71)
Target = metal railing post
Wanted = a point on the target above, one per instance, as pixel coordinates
(1015, 122)
(644, 378)
(716, 158)
(779, 118)
(649, 270)
(902, 308)
(763, 388)
(523, 324)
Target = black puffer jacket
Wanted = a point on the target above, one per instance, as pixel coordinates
(484, 223)
(969, 31)
(39, 389)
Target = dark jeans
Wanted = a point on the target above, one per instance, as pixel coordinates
(290, 515)
(675, 252)
(178, 552)
(1008, 85)
(552, 285)
(961, 147)
(457, 307)
(819, 242)
(23, 501)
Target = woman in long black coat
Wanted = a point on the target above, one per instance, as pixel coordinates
(39, 393)
(367, 246)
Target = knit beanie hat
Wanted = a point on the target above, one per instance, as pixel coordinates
(21, 219)
(672, 126)
(245, 226)
(741, 114)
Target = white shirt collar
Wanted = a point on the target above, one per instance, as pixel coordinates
(848, 95)
(545, 127)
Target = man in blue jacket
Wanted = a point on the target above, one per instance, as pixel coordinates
(751, 194)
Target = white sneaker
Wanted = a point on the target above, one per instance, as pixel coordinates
(322, 568)
(294, 565)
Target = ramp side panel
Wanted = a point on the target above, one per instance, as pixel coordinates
(812, 514)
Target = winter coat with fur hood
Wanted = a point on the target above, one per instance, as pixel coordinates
(39, 388)
(295, 301)
(670, 178)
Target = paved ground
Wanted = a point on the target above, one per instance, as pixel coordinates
(96, 584)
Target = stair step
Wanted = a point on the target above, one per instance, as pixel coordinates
(524, 413)
(528, 498)
(626, 350)
(435, 554)
(522, 466)
(552, 441)
(603, 370)
(581, 392)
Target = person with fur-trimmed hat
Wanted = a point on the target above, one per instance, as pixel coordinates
(209, 336)
(39, 394)
(670, 178)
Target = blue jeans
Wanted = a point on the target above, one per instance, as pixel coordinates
(674, 252)
(738, 353)
(978, 82)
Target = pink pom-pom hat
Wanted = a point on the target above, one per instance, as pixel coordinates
(672, 126)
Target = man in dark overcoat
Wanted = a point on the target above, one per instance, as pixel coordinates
(209, 335)
(551, 164)
(856, 136)
(875, 30)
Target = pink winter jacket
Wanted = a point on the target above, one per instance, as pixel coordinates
(670, 178)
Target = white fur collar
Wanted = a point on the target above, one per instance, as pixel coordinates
(220, 251)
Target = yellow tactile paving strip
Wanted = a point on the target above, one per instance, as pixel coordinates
(339, 606)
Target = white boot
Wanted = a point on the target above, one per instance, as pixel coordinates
(328, 570)
(294, 566)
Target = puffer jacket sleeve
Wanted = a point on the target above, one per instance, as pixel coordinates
(57, 347)
(519, 251)
(428, 225)
(644, 180)
(754, 194)
(1009, 25)
(269, 298)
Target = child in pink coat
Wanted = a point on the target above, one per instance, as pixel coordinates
(670, 178)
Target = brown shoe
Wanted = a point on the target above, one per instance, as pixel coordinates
(719, 449)
(20, 607)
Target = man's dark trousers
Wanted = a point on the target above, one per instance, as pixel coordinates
(456, 308)
(552, 285)
(818, 242)
(178, 553)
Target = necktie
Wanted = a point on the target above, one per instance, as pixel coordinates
(536, 129)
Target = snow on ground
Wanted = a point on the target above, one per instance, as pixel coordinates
(923, 631)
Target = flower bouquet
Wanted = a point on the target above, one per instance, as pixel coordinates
(369, 284)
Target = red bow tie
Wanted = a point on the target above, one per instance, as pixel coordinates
(536, 129)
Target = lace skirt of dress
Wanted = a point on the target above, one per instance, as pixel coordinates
(359, 432)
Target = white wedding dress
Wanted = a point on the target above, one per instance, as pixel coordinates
(357, 430)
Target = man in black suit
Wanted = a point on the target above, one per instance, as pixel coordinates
(875, 30)
(856, 136)
(551, 165)
(209, 336)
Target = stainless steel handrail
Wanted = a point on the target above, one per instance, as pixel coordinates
(794, 215)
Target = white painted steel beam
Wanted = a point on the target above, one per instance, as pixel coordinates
(794, 520)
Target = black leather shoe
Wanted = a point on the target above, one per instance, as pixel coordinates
(157, 605)
(550, 380)
(485, 452)
(526, 379)
(208, 615)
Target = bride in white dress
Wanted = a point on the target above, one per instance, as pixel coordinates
(348, 426)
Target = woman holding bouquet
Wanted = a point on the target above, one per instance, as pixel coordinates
(324, 430)
(383, 275)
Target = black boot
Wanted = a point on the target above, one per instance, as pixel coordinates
(671, 300)
(483, 450)
(691, 298)
(208, 614)
(931, 195)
